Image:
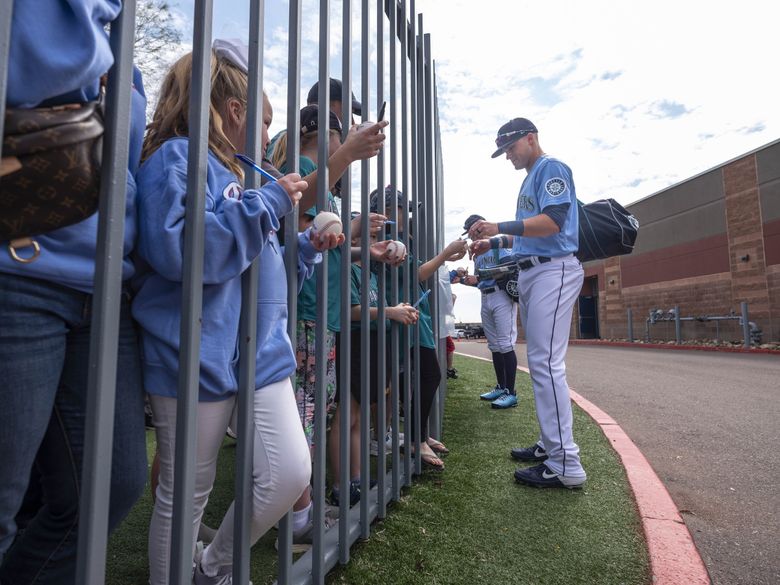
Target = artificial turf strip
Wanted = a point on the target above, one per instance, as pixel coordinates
(471, 524)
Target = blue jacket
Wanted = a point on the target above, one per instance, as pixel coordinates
(65, 69)
(275, 356)
(239, 224)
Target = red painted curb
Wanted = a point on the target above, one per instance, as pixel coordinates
(672, 346)
(674, 558)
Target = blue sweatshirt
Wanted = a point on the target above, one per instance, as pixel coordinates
(238, 225)
(275, 356)
(65, 69)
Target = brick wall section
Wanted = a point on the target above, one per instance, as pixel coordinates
(746, 240)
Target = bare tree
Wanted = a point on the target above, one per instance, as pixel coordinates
(157, 42)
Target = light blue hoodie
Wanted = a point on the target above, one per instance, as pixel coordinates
(240, 225)
(39, 75)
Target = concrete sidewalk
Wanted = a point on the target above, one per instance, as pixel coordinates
(708, 424)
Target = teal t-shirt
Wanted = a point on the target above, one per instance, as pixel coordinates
(307, 297)
(425, 322)
(373, 294)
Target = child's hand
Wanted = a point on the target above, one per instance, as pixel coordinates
(294, 186)
(456, 250)
(403, 313)
(322, 242)
(364, 141)
(376, 222)
(380, 253)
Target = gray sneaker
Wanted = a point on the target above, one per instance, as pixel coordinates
(223, 577)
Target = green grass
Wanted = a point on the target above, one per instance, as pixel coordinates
(471, 524)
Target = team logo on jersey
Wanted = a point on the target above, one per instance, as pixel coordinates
(555, 187)
(232, 191)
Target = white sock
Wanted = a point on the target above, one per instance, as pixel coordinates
(301, 518)
(207, 564)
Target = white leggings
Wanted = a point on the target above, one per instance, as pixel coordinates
(281, 470)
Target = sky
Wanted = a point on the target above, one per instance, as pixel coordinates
(634, 97)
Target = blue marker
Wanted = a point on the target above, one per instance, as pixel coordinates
(246, 160)
(390, 221)
(422, 298)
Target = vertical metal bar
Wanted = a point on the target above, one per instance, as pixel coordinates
(406, 270)
(428, 171)
(104, 333)
(291, 238)
(745, 324)
(630, 325)
(419, 243)
(394, 300)
(440, 241)
(365, 188)
(380, 318)
(242, 508)
(6, 12)
(192, 299)
(677, 324)
(345, 347)
(321, 329)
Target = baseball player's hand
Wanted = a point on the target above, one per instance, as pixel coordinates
(456, 250)
(365, 140)
(376, 222)
(403, 313)
(470, 280)
(483, 229)
(293, 185)
(380, 253)
(478, 247)
(322, 242)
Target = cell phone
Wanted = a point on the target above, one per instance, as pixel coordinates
(382, 112)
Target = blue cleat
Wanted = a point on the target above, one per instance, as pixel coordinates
(493, 394)
(506, 400)
(542, 477)
(535, 453)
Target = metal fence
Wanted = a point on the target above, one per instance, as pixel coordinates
(411, 160)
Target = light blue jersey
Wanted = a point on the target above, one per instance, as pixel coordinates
(550, 182)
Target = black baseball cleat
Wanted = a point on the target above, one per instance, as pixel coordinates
(535, 453)
(542, 477)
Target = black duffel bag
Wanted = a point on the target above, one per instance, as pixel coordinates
(606, 229)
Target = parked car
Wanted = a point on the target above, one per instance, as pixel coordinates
(459, 334)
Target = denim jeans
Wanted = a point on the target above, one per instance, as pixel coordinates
(44, 351)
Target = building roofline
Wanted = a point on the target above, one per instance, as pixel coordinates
(718, 166)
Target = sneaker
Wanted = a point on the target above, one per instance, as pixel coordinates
(303, 539)
(374, 447)
(224, 575)
(506, 400)
(535, 453)
(493, 394)
(354, 494)
(452, 373)
(542, 477)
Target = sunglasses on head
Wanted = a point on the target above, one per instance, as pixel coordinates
(501, 138)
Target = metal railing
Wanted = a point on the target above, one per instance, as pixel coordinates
(411, 160)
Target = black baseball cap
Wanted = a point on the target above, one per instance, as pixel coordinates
(335, 95)
(511, 132)
(309, 121)
(374, 200)
(470, 221)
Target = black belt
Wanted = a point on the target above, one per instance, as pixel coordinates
(488, 290)
(531, 262)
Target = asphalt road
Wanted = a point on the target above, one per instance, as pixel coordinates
(709, 423)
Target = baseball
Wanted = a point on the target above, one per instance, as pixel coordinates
(396, 250)
(327, 223)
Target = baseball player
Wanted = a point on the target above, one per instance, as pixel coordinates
(544, 240)
(499, 320)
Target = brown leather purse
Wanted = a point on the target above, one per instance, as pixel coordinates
(50, 171)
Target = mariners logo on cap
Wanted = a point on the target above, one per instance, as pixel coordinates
(555, 187)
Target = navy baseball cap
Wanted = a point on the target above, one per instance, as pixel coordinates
(335, 95)
(511, 132)
(470, 221)
(309, 120)
(374, 201)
